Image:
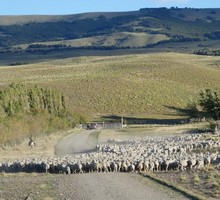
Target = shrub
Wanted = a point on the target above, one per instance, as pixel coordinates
(183, 178)
(196, 179)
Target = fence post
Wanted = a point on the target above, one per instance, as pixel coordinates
(122, 121)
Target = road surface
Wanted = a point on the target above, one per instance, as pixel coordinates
(108, 186)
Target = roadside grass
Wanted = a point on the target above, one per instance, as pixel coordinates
(176, 187)
(142, 84)
(201, 183)
(196, 179)
(14, 131)
(150, 131)
(183, 178)
(28, 189)
(205, 184)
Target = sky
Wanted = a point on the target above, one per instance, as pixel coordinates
(58, 7)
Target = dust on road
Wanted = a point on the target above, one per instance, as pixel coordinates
(76, 143)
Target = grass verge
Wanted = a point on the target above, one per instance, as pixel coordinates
(174, 187)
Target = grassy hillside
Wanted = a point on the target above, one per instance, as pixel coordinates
(144, 28)
(141, 85)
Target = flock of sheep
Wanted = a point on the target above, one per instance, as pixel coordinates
(177, 152)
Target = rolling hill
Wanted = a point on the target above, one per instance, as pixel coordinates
(145, 28)
(117, 62)
(146, 85)
(133, 64)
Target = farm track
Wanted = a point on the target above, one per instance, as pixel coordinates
(88, 186)
(98, 186)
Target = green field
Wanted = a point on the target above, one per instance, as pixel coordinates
(143, 85)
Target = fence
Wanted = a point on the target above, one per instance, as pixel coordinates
(102, 125)
(137, 123)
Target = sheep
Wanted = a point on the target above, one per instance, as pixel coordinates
(200, 164)
(119, 165)
(131, 167)
(124, 166)
(79, 167)
(192, 163)
(113, 167)
(183, 164)
(140, 166)
(138, 154)
(46, 167)
(146, 166)
(151, 166)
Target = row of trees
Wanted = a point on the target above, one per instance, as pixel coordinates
(19, 99)
(26, 110)
(208, 52)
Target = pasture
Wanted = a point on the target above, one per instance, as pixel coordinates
(142, 85)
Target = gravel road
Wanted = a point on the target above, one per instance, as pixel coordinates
(108, 186)
(112, 186)
(91, 186)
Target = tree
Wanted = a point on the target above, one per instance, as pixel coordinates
(210, 103)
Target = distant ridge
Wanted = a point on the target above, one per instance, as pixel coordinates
(145, 28)
(7, 20)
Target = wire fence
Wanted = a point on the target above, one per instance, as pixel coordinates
(138, 123)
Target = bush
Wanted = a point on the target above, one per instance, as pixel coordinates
(196, 179)
(183, 178)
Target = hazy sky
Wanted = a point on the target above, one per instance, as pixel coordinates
(19, 7)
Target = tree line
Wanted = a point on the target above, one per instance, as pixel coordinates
(31, 110)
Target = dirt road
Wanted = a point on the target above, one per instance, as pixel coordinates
(90, 186)
(108, 186)
(112, 186)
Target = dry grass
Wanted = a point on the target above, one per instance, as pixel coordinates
(203, 182)
(196, 179)
(143, 84)
(44, 147)
(150, 131)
